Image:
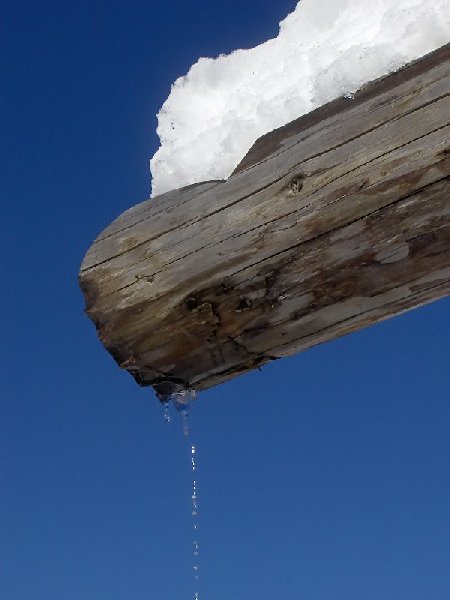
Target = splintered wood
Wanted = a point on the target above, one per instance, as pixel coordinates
(336, 221)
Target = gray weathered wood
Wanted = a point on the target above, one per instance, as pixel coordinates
(336, 221)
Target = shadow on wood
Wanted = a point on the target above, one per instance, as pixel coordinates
(331, 223)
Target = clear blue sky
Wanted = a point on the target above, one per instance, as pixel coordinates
(325, 476)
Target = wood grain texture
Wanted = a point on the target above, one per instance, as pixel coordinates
(336, 221)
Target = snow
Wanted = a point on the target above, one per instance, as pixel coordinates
(325, 49)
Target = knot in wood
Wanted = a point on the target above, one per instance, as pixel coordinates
(296, 184)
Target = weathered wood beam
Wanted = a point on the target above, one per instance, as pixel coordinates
(336, 221)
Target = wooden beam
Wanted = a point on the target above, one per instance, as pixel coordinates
(336, 221)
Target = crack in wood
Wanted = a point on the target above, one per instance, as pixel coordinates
(325, 233)
(362, 185)
(446, 289)
(152, 205)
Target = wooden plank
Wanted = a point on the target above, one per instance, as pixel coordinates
(336, 221)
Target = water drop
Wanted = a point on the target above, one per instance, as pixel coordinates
(194, 505)
(181, 400)
(166, 413)
(171, 391)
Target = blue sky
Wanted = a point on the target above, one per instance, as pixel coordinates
(325, 476)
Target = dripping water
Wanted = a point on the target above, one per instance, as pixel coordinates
(181, 397)
(195, 513)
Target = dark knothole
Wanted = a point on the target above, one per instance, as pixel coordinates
(243, 304)
(191, 304)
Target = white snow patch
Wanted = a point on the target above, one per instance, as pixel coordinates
(325, 49)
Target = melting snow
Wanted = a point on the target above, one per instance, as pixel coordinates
(325, 49)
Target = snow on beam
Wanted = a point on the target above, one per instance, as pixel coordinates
(331, 223)
(324, 49)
